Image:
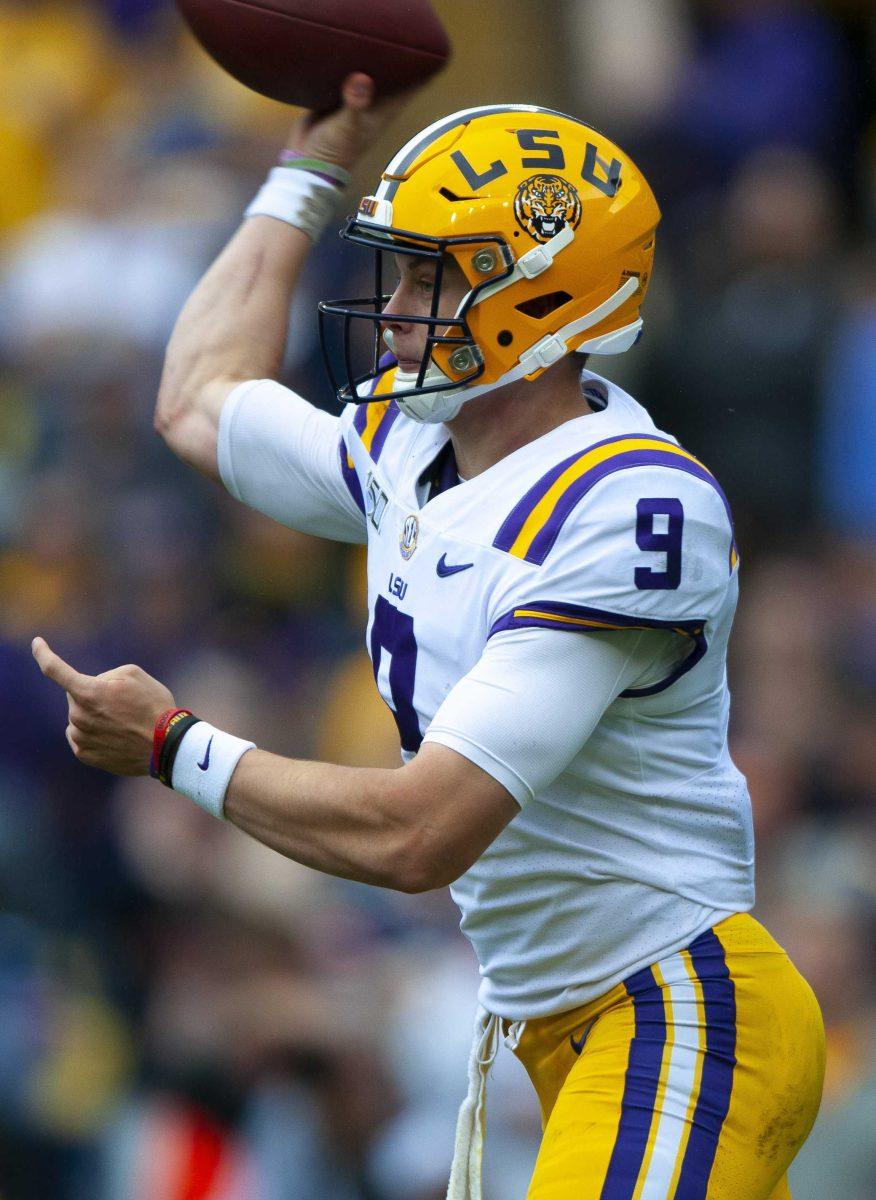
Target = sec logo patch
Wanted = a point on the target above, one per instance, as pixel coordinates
(407, 541)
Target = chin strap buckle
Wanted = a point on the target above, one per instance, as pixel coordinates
(536, 261)
(543, 354)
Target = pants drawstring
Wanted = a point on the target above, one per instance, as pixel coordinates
(514, 1034)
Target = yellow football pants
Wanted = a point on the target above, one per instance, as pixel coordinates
(698, 1078)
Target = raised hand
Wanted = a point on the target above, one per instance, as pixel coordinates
(341, 136)
(111, 716)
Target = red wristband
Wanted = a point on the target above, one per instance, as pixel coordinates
(162, 726)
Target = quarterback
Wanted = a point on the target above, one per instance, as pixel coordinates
(551, 580)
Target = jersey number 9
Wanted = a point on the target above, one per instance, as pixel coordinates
(659, 537)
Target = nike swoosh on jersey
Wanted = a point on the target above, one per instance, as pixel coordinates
(205, 764)
(444, 568)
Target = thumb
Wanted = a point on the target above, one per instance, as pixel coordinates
(357, 91)
(55, 668)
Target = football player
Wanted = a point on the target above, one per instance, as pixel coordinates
(552, 581)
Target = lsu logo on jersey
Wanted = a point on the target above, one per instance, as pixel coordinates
(545, 205)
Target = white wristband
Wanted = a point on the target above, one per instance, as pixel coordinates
(300, 198)
(204, 763)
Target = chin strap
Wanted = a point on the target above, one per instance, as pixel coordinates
(554, 346)
(444, 405)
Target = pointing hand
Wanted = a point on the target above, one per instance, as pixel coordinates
(111, 716)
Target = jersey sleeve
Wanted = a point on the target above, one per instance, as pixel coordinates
(528, 706)
(650, 547)
(282, 456)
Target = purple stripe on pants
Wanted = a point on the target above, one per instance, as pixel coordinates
(640, 1086)
(713, 1104)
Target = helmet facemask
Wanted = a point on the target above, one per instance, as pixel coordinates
(451, 361)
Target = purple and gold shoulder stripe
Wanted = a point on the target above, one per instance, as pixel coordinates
(374, 419)
(372, 424)
(349, 476)
(534, 524)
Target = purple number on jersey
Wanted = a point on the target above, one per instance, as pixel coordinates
(393, 631)
(667, 542)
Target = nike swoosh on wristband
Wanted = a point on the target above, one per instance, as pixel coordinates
(444, 569)
(203, 765)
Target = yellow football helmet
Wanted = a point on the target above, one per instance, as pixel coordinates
(551, 224)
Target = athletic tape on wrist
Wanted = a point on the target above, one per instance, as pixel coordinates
(204, 763)
(302, 198)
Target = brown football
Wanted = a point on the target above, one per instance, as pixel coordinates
(300, 51)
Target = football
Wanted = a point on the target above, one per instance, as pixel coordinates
(300, 51)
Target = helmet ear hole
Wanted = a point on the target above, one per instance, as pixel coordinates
(505, 337)
(540, 307)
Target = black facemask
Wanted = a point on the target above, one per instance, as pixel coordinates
(358, 385)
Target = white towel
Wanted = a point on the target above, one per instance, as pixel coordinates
(471, 1124)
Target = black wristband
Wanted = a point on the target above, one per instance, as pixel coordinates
(175, 735)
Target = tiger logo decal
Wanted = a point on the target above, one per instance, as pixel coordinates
(545, 205)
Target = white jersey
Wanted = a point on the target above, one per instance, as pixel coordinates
(641, 839)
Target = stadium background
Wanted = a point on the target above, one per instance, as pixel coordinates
(184, 1016)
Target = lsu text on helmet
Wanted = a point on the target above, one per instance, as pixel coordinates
(552, 226)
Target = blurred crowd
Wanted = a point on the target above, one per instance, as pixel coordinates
(183, 1014)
